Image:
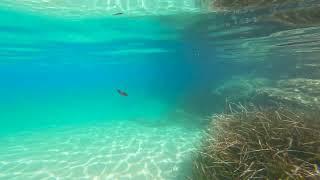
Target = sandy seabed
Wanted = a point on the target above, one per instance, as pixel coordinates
(104, 150)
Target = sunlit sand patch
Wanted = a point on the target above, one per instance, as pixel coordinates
(112, 150)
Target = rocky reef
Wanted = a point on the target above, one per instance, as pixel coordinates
(293, 92)
(299, 93)
(239, 89)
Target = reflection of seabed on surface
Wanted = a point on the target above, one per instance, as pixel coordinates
(106, 6)
(109, 150)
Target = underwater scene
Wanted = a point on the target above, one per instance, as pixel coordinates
(159, 89)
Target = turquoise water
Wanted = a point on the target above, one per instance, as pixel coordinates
(61, 116)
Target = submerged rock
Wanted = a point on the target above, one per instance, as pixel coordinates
(313, 70)
(239, 88)
(294, 92)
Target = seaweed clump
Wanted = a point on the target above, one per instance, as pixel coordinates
(267, 144)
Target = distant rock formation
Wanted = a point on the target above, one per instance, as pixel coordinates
(299, 93)
(295, 93)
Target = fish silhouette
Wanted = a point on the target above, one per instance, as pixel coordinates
(122, 93)
(117, 14)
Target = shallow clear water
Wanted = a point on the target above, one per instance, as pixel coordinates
(61, 115)
(106, 150)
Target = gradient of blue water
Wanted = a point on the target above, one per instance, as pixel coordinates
(57, 71)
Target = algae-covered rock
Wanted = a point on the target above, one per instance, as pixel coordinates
(240, 88)
(292, 92)
(313, 70)
(306, 86)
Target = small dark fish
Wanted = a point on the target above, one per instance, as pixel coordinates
(117, 14)
(122, 93)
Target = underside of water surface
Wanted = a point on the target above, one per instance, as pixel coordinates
(176, 62)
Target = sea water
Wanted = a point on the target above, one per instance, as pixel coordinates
(61, 65)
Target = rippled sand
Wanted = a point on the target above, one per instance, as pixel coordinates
(108, 150)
